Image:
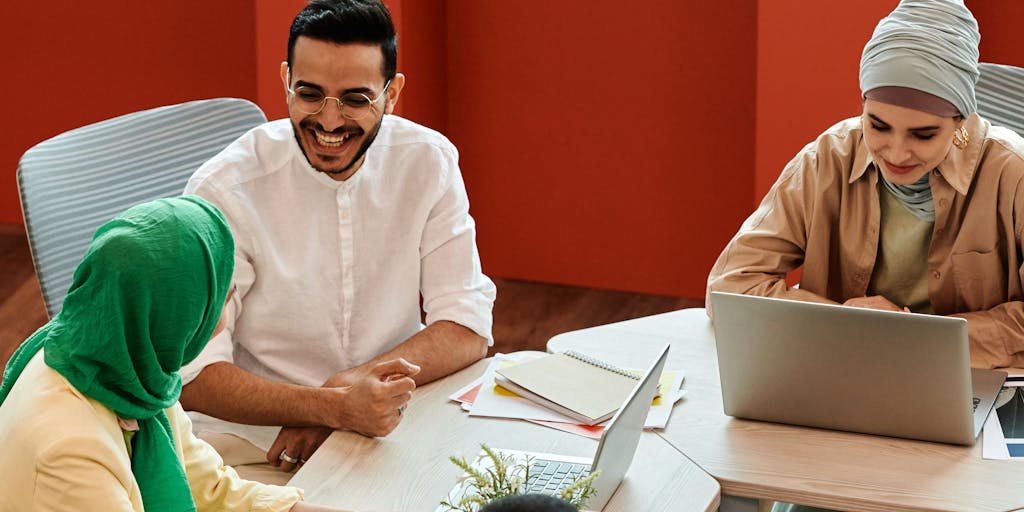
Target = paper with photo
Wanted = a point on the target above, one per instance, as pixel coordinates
(591, 431)
(467, 394)
(1003, 433)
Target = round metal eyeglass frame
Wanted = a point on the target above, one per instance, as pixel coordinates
(354, 105)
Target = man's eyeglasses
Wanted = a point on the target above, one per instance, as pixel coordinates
(354, 105)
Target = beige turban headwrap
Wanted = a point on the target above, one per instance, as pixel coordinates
(927, 45)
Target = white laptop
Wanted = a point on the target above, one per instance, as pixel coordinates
(550, 473)
(844, 368)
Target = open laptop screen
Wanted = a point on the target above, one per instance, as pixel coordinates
(838, 367)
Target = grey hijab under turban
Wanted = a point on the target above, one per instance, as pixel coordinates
(928, 45)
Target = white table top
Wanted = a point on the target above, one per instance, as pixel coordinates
(409, 469)
(838, 470)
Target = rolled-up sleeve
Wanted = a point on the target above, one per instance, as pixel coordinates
(453, 284)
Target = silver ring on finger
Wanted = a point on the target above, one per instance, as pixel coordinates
(287, 458)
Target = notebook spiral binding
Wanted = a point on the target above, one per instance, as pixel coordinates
(601, 364)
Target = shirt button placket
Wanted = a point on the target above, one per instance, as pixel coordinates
(345, 235)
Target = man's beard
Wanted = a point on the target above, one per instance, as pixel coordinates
(367, 141)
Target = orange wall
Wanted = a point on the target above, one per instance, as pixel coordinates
(423, 59)
(807, 75)
(74, 63)
(273, 18)
(607, 146)
(807, 71)
(999, 22)
(615, 146)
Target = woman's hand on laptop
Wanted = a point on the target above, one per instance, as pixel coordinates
(875, 302)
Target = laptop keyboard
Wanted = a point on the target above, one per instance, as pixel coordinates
(550, 476)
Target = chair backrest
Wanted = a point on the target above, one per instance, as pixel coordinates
(1000, 92)
(74, 182)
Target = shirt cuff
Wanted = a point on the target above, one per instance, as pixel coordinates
(476, 318)
(276, 498)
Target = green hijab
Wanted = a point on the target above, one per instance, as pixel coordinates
(144, 301)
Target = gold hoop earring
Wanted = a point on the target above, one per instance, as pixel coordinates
(961, 138)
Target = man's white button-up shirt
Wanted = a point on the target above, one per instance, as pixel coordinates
(330, 274)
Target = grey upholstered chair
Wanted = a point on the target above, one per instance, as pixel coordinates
(74, 182)
(1000, 92)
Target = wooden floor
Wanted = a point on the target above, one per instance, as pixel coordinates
(21, 306)
(526, 314)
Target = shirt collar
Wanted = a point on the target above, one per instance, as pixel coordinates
(960, 165)
(861, 161)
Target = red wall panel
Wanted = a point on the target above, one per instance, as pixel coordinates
(808, 59)
(74, 63)
(273, 18)
(423, 59)
(604, 144)
(1000, 23)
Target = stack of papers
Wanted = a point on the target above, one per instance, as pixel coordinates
(483, 397)
(572, 384)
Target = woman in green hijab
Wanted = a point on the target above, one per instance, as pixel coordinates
(89, 408)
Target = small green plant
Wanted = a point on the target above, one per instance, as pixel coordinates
(504, 477)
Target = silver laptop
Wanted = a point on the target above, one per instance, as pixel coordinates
(551, 473)
(844, 368)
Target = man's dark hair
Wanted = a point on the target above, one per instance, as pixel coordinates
(348, 21)
(528, 503)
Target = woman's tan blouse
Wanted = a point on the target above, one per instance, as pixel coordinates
(823, 214)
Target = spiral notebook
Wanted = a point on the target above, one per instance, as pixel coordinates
(583, 388)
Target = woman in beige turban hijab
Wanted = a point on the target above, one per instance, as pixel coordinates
(915, 205)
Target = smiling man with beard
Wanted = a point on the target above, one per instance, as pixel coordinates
(349, 224)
